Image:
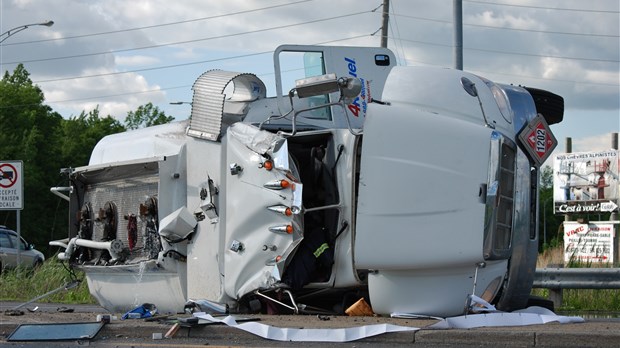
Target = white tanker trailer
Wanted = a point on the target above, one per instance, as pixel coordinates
(413, 186)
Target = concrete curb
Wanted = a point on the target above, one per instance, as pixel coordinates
(592, 333)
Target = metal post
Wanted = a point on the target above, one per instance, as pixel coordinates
(19, 237)
(457, 9)
(545, 221)
(614, 215)
(556, 295)
(568, 149)
(386, 20)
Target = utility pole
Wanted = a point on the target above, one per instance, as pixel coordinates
(614, 215)
(384, 26)
(457, 9)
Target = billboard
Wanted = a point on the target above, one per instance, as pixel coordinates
(585, 182)
(589, 243)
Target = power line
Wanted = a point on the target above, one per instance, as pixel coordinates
(544, 79)
(521, 76)
(516, 53)
(259, 53)
(401, 54)
(157, 25)
(544, 55)
(185, 64)
(177, 87)
(505, 28)
(542, 8)
(187, 41)
(153, 68)
(118, 95)
(544, 31)
(267, 52)
(326, 42)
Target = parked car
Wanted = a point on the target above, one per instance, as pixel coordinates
(9, 242)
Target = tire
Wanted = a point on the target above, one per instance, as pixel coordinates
(550, 105)
(540, 302)
(38, 263)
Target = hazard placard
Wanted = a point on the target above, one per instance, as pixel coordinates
(11, 185)
(538, 139)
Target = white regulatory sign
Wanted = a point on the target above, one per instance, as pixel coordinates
(11, 185)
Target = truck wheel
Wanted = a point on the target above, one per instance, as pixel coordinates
(540, 302)
(38, 263)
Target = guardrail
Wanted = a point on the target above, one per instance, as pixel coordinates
(557, 279)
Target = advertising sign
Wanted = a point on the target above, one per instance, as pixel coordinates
(11, 185)
(585, 182)
(590, 243)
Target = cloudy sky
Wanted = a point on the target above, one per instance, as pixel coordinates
(121, 54)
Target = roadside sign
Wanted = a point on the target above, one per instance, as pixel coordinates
(11, 185)
(586, 182)
(589, 243)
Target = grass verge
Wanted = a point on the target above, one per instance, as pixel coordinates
(22, 285)
(607, 300)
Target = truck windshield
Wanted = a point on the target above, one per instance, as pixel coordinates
(295, 65)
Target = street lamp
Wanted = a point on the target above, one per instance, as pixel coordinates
(16, 30)
(3, 37)
(180, 103)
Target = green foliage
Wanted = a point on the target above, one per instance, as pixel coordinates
(145, 116)
(45, 142)
(549, 224)
(81, 133)
(30, 132)
(546, 177)
(25, 284)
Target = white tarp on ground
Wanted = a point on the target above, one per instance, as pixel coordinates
(523, 317)
(309, 335)
(528, 316)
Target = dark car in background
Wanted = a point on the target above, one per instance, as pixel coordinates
(10, 242)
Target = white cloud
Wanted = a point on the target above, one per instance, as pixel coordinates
(421, 31)
(135, 60)
(115, 95)
(499, 20)
(595, 143)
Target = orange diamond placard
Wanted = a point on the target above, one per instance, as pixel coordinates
(538, 139)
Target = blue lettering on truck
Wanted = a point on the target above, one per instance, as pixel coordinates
(355, 106)
(352, 67)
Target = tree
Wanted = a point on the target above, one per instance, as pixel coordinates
(546, 177)
(32, 132)
(29, 131)
(145, 116)
(81, 134)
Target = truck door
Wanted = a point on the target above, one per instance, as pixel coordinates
(370, 65)
(262, 223)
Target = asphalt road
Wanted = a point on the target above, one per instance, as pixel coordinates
(141, 333)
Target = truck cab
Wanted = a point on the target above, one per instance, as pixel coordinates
(415, 187)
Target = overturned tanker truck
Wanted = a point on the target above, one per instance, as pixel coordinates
(415, 187)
